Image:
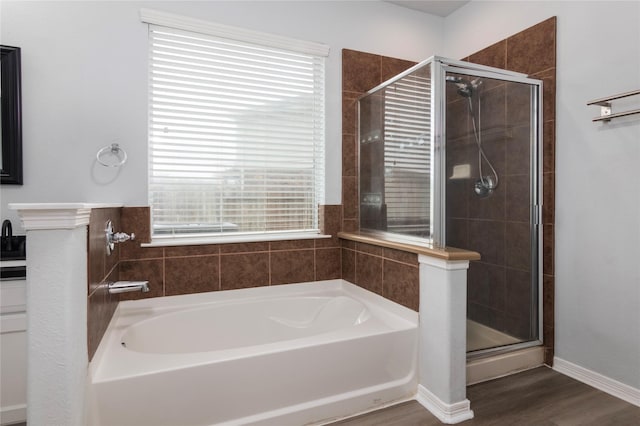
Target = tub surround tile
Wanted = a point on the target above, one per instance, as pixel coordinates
(369, 248)
(291, 245)
(191, 275)
(185, 251)
(292, 266)
(328, 264)
(97, 250)
(348, 258)
(330, 224)
(102, 269)
(100, 309)
(369, 272)
(401, 256)
(138, 220)
(400, 283)
(244, 247)
(131, 250)
(244, 270)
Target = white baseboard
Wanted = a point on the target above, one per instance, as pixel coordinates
(598, 381)
(446, 413)
(13, 414)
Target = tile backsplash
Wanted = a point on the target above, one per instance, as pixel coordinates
(200, 268)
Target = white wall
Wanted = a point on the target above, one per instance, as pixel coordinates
(84, 68)
(597, 183)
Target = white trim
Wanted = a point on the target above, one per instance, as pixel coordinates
(446, 413)
(229, 239)
(598, 381)
(171, 20)
(447, 265)
(13, 413)
(36, 216)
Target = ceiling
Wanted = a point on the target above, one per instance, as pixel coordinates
(438, 8)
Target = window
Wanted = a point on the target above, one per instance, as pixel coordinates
(236, 130)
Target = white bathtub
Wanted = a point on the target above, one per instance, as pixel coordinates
(283, 355)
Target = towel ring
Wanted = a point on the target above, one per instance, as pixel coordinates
(112, 156)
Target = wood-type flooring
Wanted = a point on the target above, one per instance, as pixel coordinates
(540, 397)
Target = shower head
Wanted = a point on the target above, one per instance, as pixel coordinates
(465, 88)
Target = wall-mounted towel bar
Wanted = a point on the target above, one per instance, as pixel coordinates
(605, 106)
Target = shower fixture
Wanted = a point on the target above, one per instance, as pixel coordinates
(485, 185)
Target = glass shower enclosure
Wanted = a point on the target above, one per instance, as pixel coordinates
(450, 155)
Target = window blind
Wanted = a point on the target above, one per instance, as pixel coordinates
(236, 135)
(407, 154)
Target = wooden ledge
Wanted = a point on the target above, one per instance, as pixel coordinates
(447, 253)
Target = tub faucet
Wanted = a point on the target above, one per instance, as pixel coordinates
(126, 286)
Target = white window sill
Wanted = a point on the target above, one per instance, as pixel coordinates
(230, 239)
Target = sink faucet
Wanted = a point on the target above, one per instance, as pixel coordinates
(7, 232)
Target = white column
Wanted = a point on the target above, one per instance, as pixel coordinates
(57, 358)
(443, 346)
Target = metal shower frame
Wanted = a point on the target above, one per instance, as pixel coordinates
(439, 67)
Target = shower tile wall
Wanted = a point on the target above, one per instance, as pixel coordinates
(530, 51)
(360, 72)
(506, 256)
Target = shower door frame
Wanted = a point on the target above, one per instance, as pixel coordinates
(440, 68)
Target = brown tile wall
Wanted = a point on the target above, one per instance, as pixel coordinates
(198, 268)
(506, 250)
(101, 270)
(393, 274)
(531, 51)
(201, 268)
(360, 73)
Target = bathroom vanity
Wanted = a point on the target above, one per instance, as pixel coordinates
(13, 329)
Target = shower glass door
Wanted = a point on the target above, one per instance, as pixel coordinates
(492, 201)
(449, 154)
(395, 157)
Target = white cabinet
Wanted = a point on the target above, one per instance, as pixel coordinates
(13, 350)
